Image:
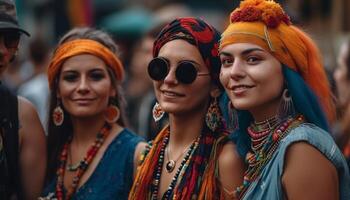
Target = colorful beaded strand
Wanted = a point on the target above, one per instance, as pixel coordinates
(263, 153)
(100, 138)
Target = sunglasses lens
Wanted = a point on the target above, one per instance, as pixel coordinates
(158, 69)
(186, 73)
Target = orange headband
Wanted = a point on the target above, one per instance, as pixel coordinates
(82, 46)
(265, 24)
(282, 42)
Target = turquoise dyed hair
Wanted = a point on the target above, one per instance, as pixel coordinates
(305, 103)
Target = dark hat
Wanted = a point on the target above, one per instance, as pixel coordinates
(8, 16)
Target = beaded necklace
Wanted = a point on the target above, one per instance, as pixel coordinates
(70, 166)
(263, 147)
(179, 173)
(84, 164)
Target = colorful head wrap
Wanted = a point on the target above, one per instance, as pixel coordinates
(198, 33)
(83, 46)
(264, 23)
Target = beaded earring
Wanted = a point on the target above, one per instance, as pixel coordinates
(286, 107)
(58, 115)
(157, 112)
(213, 118)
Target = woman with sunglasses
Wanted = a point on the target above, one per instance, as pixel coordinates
(272, 73)
(190, 158)
(90, 153)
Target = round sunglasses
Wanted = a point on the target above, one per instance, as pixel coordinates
(186, 71)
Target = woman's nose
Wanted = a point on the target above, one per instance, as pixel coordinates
(237, 70)
(170, 78)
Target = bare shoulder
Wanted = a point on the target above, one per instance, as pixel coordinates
(25, 108)
(229, 156)
(30, 125)
(32, 149)
(231, 167)
(140, 148)
(306, 167)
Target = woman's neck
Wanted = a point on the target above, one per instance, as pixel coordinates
(266, 111)
(85, 130)
(184, 129)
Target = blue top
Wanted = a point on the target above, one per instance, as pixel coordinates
(269, 185)
(112, 178)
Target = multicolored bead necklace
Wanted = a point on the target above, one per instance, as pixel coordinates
(179, 173)
(84, 164)
(264, 145)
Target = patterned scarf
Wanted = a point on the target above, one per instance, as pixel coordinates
(198, 33)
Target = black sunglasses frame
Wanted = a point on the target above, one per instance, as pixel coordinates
(186, 71)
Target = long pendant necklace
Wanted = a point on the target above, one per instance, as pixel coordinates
(184, 163)
(84, 164)
(171, 164)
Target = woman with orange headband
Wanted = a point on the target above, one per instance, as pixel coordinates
(272, 73)
(90, 153)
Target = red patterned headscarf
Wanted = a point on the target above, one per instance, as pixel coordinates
(198, 33)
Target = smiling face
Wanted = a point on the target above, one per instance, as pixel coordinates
(85, 86)
(252, 78)
(175, 97)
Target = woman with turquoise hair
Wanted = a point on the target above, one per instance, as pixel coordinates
(272, 73)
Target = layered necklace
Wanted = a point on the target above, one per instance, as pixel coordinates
(265, 138)
(79, 168)
(179, 173)
(171, 164)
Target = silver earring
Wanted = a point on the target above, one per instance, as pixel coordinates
(232, 118)
(286, 105)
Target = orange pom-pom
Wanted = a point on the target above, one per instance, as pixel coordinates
(268, 12)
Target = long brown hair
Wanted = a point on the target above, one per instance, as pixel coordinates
(58, 135)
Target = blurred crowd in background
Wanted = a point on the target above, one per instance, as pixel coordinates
(134, 24)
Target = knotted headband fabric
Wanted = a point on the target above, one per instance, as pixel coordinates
(83, 46)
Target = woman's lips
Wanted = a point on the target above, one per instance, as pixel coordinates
(239, 90)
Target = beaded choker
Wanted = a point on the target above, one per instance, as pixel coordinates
(263, 147)
(179, 173)
(84, 164)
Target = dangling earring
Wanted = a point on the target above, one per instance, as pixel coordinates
(286, 106)
(112, 114)
(58, 115)
(232, 118)
(157, 112)
(213, 118)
